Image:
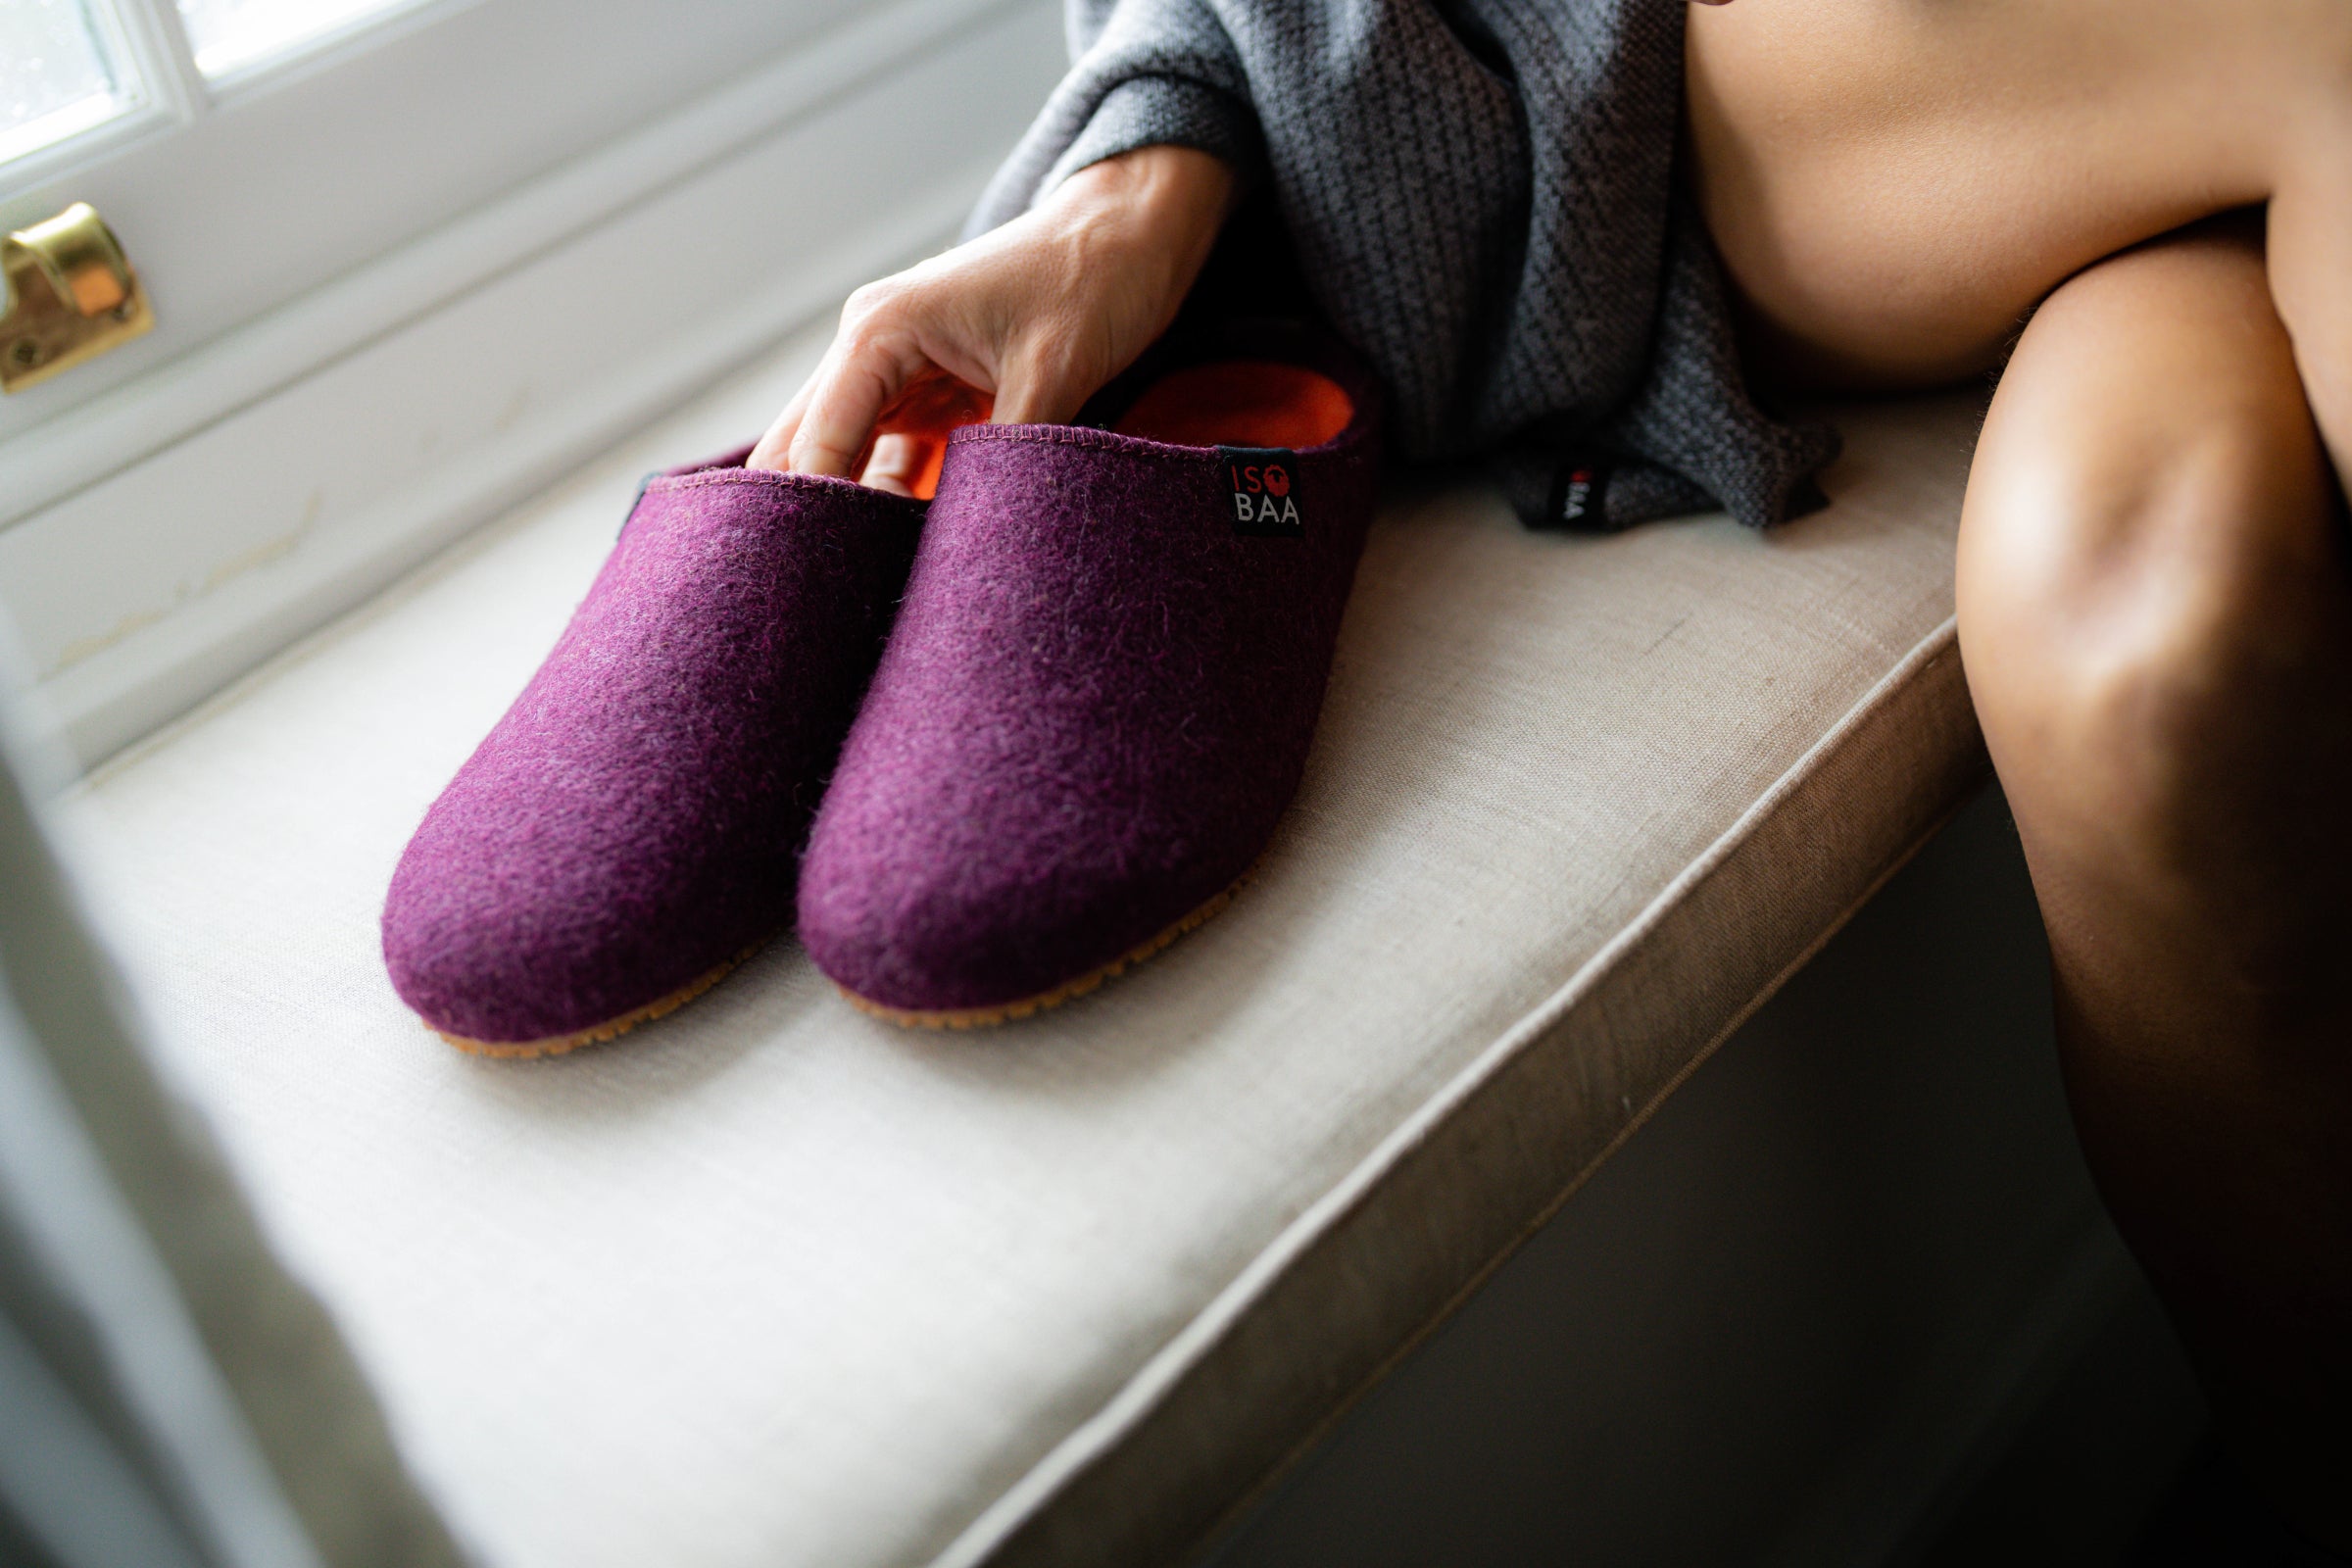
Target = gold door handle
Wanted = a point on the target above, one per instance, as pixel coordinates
(71, 295)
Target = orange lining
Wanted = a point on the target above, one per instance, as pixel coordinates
(1240, 403)
(925, 412)
(1232, 402)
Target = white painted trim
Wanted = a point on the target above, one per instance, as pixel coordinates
(157, 42)
(53, 460)
(473, 368)
(61, 128)
(321, 51)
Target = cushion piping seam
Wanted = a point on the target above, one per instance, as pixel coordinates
(1151, 1384)
(1575, 1181)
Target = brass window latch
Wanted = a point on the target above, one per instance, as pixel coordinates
(71, 295)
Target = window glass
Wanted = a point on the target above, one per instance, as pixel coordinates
(57, 74)
(228, 35)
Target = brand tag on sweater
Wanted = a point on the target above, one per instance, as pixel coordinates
(1581, 493)
(1266, 494)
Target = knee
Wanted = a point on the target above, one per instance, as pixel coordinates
(2135, 639)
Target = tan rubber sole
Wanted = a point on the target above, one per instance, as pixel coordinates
(1030, 1006)
(611, 1029)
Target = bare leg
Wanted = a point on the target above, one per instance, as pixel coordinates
(2156, 609)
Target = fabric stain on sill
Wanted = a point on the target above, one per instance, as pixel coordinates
(81, 647)
(253, 560)
(222, 574)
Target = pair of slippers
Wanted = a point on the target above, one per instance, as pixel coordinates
(985, 748)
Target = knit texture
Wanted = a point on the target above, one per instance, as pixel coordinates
(1096, 705)
(632, 822)
(1481, 195)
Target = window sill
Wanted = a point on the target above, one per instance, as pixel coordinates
(827, 1291)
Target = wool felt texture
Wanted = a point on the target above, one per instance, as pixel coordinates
(1483, 198)
(1099, 693)
(632, 822)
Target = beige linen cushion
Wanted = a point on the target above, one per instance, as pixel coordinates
(770, 1283)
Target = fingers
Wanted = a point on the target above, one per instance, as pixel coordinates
(899, 446)
(1040, 386)
(829, 424)
(859, 376)
(1037, 313)
(774, 448)
(897, 462)
(844, 419)
(1027, 401)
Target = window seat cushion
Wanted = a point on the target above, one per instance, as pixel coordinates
(769, 1282)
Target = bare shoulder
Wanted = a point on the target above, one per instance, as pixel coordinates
(1895, 183)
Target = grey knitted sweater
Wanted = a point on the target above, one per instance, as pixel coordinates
(1482, 196)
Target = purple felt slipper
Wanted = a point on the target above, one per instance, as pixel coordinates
(628, 830)
(1099, 693)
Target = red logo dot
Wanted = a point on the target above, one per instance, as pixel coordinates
(1278, 481)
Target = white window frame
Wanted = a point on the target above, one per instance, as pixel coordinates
(145, 36)
(235, 196)
(179, 508)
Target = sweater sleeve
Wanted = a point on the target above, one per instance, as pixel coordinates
(1145, 74)
(1164, 112)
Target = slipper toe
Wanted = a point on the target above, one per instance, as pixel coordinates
(632, 824)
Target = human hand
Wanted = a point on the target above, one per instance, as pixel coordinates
(1021, 324)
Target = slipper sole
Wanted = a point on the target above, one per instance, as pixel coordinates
(610, 1029)
(1069, 990)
